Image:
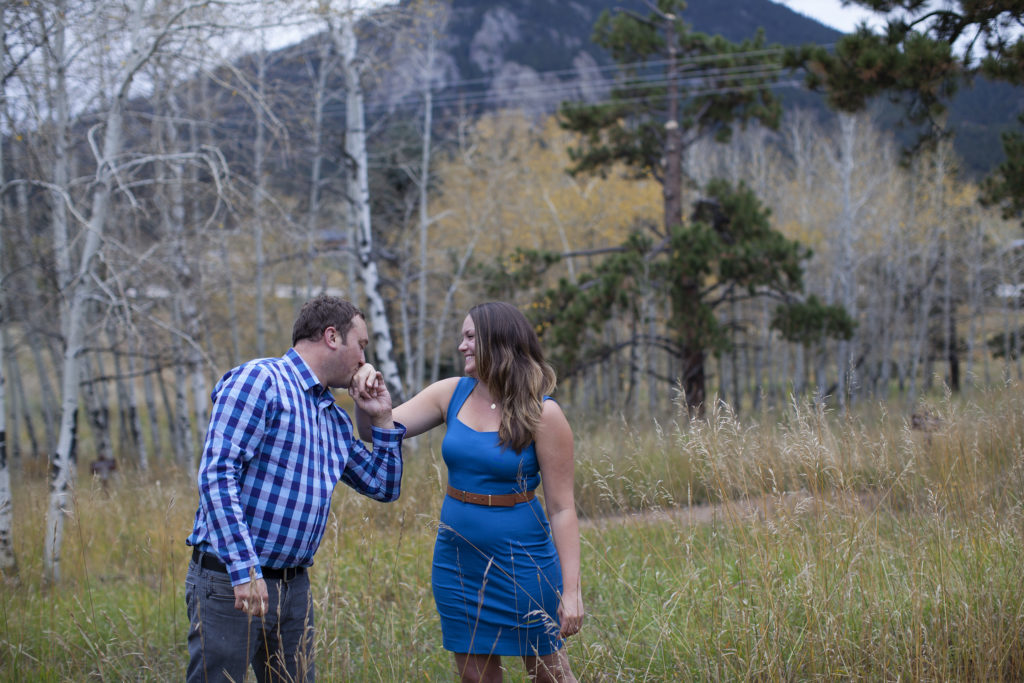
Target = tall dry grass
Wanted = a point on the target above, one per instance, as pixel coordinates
(801, 546)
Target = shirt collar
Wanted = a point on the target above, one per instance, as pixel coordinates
(309, 381)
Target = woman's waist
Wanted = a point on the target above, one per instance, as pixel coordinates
(495, 486)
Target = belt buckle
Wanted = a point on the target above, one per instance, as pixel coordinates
(489, 500)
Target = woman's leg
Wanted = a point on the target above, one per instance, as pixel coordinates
(478, 668)
(552, 668)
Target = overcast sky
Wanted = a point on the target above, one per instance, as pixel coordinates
(832, 13)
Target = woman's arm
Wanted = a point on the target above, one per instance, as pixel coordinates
(419, 414)
(554, 445)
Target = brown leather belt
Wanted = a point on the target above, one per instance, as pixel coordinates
(208, 561)
(505, 500)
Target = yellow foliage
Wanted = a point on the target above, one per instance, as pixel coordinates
(508, 188)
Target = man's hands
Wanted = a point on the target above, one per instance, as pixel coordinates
(371, 395)
(252, 597)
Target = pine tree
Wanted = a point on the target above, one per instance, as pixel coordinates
(676, 87)
(927, 52)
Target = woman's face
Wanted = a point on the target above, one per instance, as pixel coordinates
(467, 346)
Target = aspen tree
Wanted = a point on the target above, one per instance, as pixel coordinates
(343, 32)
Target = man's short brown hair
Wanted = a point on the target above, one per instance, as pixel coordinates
(322, 312)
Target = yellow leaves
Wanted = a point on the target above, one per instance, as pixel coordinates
(508, 188)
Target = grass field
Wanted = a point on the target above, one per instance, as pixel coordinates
(805, 546)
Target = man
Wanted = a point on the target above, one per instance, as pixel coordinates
(276, 446)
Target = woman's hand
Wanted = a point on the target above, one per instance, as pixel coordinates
(570, 613)
(371, 396)
(366, 379)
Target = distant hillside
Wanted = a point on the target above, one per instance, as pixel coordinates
(536, 53)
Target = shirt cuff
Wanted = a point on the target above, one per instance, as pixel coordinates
(387, 438)
(239, 573)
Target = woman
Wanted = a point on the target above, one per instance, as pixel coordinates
(506, 581)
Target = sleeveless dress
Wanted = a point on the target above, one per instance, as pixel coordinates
(496, 575)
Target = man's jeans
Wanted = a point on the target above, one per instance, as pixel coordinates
(223, 641)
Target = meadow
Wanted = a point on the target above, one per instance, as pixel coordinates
(801, 545)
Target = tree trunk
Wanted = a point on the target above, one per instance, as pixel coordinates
(673, 184)
(975, 289)
(694, 381)
(259, 193)
(152, 368)
(63, 460)
(134, 418)
(47, 394)
(122, 383)
(359, 198)
(77, 285)
(419, 372)
(98, 412)
(8, 562)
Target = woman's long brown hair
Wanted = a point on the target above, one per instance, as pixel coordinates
(510, 362)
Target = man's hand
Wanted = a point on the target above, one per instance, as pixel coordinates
(252, 597)
(371, 395)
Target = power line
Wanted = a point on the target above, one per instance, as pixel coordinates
(691, 82)
(455, 91)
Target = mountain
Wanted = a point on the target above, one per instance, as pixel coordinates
(535, 54)
(548, 35)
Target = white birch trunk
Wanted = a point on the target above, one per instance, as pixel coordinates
(419, 372)
(62, 461)
(188, 316)
(76, 286)
(313, 217)
(359, 198)
(8, 562)
(259, 192)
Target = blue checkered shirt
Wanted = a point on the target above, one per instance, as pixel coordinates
(276, 447)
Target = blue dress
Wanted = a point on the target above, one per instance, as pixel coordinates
(496, 575)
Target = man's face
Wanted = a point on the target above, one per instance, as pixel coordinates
(349, 355)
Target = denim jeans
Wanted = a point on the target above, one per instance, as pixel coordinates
(223, 641)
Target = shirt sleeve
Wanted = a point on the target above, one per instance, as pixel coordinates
(376, 473)
(237, 427)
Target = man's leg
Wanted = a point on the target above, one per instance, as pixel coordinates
(286, 648)
(221, 639)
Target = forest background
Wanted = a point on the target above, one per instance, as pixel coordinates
(174, 187)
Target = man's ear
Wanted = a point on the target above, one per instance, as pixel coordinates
(332, 337)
